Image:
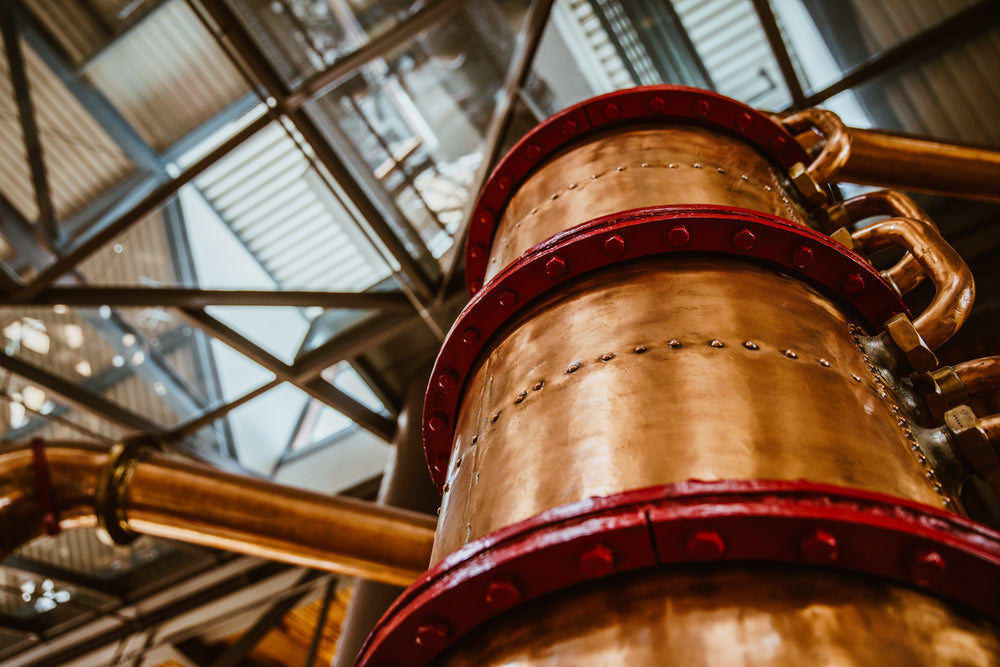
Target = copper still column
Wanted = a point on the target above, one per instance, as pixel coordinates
(684, 420)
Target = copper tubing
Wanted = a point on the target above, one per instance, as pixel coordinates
(179, 500)
(836, 150)
(906, 274)
(954, 287)
(991, 424)
(922, 165)
(980, 376)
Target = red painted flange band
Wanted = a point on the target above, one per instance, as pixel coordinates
(660, 104)
(756, 520)
(794, 249)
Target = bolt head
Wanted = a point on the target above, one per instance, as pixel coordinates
(477, 252)
(502, 593)
(702, 107)
(819, 546)
(928, 567)
(507, 298)
(854, 284)
(744, 239)
(778, 143)
(504, 183)
(743, 121)
(438, 422)
(555, 267)
(470, 337)
(441, 464)
(614, 245)
(486, 217)
(611, 111)
(678, 236)
(657, 104)
(597, 561)
(447, 380)
(533, 151)
(432, 635)
(569, 128)
(706, 544)
(802, 257)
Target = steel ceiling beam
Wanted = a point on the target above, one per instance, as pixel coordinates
(517, 73)
(769, 22)
(47, 226)
(956, 29)
(181, 297)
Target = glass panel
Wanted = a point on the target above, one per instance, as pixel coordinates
(342, 376)
(264, 427)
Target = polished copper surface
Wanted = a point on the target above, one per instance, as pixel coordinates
(171, 498)
(665, 370)
(980, 376)
(634, 167)
(954, 287)
(734, 615)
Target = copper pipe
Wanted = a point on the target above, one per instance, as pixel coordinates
(991, 424)
(171, 498)
(980, 376)
(953, 283)
(906, 274)
(931, 166)
(837, 149)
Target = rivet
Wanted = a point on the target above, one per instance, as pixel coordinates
(608, 356)
(475, 438)
(538, 385)
(593, 176)
(614, 245)
(674, 343)
(520, 397)
(441, 464)
(502, 593)
(639, 349)
(696, 165)
(657, 104)
(853, 284)
(778, 143)
(486, 217)
(533, 211)
(556, 266)
(432, 635)
(475, 286)
(767, 188)
(716, 343)
(495, 417)
(470, 337)
(823, 362)
(744, 177)
(571, 186)
(554, 196)
(611, 111)
(705, 544)
(447, 487)
(819, 546)
(790, 354)
(644, 165)
(678, 236)
(672, 165)
(856, 378)
(438, 422)
(533, 151)
(572, 368)
(458, 463)
(743, 121)
(621, 167)
(447, 380)
(720, 170)
(802, 257)
(507, 298)
(504, 182)
(477, 252)
(928, 567)
(568, 128)
(702, 107)
(597, 561)
(750, 345)
(744, 239)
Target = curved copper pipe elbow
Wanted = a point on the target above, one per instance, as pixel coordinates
(954, 287)
(837, 147)
(158, 495)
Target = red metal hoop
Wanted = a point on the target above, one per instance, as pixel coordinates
(773, 521)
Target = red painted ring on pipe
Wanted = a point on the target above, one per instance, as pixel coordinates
(793, 249)
(748, 521)
(656, 104)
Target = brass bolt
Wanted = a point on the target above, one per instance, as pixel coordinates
(502, 593)
(969, 437)
(744, 239)
(906, 337)
(806, 185)
(819, 546)
(843, 237)
(705, 544)
(555, 267)
(946, 390)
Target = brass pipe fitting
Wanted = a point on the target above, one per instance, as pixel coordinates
(837, 145)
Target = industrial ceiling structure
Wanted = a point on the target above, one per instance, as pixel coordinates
(237, 225)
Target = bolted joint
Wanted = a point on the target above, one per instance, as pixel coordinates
(833, 217)
(943, 390)
(909, 342)
(843, 237)
(969, 440)
(111, 491)
(806, 185)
